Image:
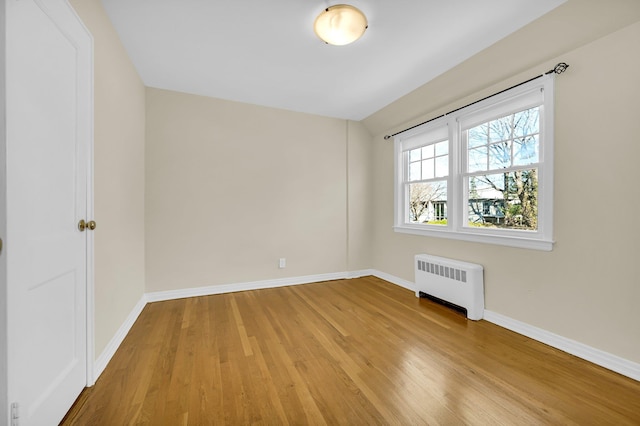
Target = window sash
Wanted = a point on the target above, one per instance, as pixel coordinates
(434, 162)
(517, 102)
(427, 134)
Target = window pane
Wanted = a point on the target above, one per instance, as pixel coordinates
(506, 200)
(477, 159)
(427, 151)
(526, 122)
(427, 169)
(414, 171)
(500, 155)
(478, 135)
(414, 154)
(442, 148)
(428, 203)
(500, 129)
(442, 166)
(526, 150)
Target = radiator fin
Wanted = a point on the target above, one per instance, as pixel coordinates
(443, 271)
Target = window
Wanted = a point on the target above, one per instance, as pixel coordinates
(428, 167)
(483, 173)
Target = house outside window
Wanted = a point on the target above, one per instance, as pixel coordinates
(483, 173)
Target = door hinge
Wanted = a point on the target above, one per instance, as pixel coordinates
(15, 414)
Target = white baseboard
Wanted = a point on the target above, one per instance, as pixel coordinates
(596, 356)
(159, 296)
(394, 280)
(588, 353)
(361, 273)
(101, 362)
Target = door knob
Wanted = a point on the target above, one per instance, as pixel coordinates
(82, 225)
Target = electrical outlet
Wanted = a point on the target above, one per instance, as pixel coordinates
(283, 263)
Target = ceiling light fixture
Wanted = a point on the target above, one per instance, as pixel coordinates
(340, 24)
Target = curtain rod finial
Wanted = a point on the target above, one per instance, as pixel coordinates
(387, 137)
(559, 68)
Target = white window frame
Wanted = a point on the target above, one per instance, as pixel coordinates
(538, 92)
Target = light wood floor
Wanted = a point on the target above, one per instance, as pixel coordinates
(347, 352)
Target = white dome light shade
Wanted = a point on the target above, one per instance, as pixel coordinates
(340, 24)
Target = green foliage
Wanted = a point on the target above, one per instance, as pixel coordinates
(481, 225)
(514, 210)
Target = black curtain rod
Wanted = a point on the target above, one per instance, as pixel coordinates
(558, 69)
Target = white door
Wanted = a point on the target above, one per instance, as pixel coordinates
(49, 136)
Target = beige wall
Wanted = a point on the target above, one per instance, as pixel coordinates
(573, 24)
(119, 176)
(233, 187)
(360, 197)
(586, 289)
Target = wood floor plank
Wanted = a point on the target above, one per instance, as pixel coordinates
(360, 351)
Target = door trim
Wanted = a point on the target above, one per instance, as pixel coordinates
(90, 212)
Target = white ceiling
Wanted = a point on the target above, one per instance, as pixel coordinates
(266, 53)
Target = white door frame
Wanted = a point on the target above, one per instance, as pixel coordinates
(90, 302)
(91, 379)
(4, 388)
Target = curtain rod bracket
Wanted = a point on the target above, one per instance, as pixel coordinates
(558, 69)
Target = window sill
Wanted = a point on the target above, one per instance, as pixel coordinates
(518, 242)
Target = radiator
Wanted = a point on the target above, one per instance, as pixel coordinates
(455, 282)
